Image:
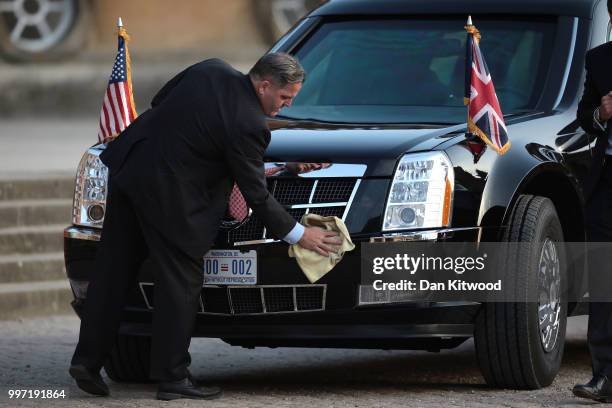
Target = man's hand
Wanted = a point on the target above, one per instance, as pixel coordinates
(605, 110)
(321, 241)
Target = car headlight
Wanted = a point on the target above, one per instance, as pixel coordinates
(90, 190)
(421, 193)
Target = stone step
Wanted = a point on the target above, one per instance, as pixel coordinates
(21, 213)
(33, 267)
(74, 89)
(38, 188)
(27, 299)
(35, 239)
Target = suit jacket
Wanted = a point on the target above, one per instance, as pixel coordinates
(598, 83)
(179, 159)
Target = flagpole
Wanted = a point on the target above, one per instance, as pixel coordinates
(493, 124)
(128, 62)
(469, 27)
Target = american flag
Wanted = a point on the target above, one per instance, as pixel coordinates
(118, 109)
(485, 118)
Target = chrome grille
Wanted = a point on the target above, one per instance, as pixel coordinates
(307, 297)
(147, 294)
(333, 190)
(252, 228)
(263, 299)
(292, 191)
(278, 299)
(328, 211)
(325, 196)
(256, 299)
(215, 299)
(245, 300)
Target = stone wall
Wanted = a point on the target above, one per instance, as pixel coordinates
(181, 26)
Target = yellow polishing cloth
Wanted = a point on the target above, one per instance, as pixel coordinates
(313, 265)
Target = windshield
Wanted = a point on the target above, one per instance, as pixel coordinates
(412, 71)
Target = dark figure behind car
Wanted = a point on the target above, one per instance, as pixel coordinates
(594, 113)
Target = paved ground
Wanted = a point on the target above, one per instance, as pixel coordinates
(34, 354)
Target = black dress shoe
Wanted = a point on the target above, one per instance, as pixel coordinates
(598, 389)
(88, 381)
(186, 388)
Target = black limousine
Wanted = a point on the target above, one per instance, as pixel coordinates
(384, 94)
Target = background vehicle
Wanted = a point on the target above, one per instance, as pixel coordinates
(276, 17)
(34, 30)
(384, 90)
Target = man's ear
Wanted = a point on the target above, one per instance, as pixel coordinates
(264, 86)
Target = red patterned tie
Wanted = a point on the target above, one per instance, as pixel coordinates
(237, 208)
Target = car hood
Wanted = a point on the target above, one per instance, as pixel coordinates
(376, 146)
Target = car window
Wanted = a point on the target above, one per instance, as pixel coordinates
(413, 70)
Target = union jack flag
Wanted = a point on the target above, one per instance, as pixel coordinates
(485, 118)
(118, 109)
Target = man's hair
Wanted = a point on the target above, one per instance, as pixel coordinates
(280, 68)
(610, 6)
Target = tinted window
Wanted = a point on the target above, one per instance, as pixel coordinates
(412, 71)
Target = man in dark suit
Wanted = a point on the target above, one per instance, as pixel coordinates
(170, 175)
(594, 114)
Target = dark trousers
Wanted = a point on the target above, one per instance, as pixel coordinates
(599, 228)
(125, 243)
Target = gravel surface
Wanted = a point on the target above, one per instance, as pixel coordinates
(35, 354)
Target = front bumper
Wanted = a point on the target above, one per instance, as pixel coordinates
(342, 322)
(415, 326)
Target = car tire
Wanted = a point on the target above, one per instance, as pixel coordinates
(67, 29)
(130, 359)
(276, 17)
(511, 346)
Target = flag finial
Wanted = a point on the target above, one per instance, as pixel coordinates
(471, 29)
(119, 23)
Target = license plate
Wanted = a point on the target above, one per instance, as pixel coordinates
(230, 267)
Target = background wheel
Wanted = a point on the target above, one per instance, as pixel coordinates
(37, 30)
(520, 345)
(276, 17)
(130, 359)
